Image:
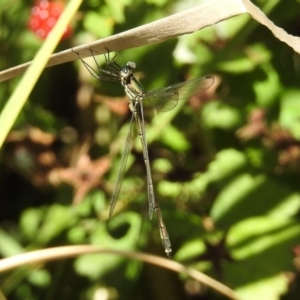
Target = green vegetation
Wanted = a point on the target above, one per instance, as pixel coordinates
(226, 164)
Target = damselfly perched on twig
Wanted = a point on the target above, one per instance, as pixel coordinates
(163, 99)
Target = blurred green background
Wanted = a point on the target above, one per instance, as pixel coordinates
(226, 166)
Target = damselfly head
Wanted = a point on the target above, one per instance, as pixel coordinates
(126, 72)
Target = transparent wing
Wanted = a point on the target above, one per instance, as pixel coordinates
(121, 171)
(165, 99)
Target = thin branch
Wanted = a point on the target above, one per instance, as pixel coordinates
(206, 14)
(49, 254)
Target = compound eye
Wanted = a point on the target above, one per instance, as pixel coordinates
(131, 65)
(125, 72)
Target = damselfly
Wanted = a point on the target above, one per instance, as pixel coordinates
(163, 99)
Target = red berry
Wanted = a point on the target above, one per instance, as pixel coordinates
(44, 16)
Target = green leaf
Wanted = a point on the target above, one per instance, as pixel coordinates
(226, 164)
(237, 65)
(57, 219)
(116, 9)
(30, 222)
(9, 246)
(174, 138)
(267, 90)
(40, 278)
(126, 227)
(98, 24)
(261, 248)
(169, 189)
(246, 195)
(220, 115)
(290, 111)
(162, 165)
(157, 2)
